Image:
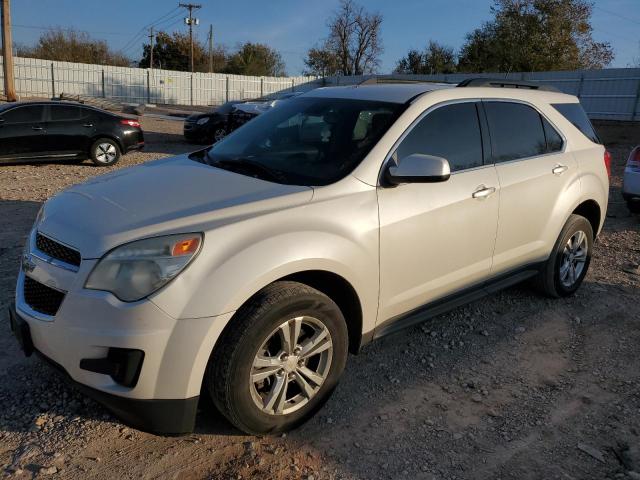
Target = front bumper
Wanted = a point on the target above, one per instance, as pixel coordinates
(156, 416)
(89, 325)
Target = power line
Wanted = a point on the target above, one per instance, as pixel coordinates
(619, 15)
(145, 27)
(40, 27)
(133, 43)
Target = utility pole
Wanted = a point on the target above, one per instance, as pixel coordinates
(7, 53)
(191, 22)
(151, 37)
(210, 48)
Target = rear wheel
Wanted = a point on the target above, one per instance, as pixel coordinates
(567, 266)
(105, 152)
(280, 360)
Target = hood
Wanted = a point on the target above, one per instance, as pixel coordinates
(166, 196)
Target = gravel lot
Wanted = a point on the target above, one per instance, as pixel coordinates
(511, 387)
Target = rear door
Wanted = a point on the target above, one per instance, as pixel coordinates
(68, 130)
(535, 174)
(22, 132)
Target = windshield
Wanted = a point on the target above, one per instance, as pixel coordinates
(305, 141)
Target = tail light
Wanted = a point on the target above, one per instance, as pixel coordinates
(634, 159)
(607, 162)
(130, 123)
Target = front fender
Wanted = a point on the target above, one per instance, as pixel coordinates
(238, 260)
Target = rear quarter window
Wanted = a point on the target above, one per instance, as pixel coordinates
(577, 116)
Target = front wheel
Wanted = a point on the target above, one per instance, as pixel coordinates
(280, 359)
(569, 261)
(219, 134)
(105, 152)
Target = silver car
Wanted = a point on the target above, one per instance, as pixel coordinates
(248, 271)
(631, 181)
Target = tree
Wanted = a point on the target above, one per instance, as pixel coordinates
(321, 62)
(73, 46)
(436, 58)
(535, 35)
(353, 43)
(171, 52)
(256, 59)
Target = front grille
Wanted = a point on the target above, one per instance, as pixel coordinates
(41, 298)
(57, 250)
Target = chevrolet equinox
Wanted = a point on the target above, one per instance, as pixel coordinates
(249, 270)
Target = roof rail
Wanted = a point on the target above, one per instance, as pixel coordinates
(504, 83)
(378, 80)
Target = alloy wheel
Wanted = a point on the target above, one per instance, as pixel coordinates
(291, 365)
(574, 257)
(106, 152)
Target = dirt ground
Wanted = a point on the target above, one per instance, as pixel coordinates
(514, 386)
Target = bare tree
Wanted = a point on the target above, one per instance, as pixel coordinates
(353, 45)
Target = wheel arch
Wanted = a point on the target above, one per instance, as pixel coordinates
(339, 290)
(590, 209)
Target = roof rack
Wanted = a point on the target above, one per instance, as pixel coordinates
(504, 83)
(378, 80)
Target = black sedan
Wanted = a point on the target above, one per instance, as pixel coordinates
(212, 126)
(43, 131)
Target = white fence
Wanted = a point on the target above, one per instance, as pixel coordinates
(608, 94)
(612, 94)
(34, 77)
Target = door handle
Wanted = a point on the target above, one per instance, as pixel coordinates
(88, 125)
(36, 128)
(559, 169)
(483, 192)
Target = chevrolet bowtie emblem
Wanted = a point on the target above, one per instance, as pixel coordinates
(28, 265)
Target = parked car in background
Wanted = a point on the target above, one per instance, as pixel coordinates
(631, 181)
(44, 131)
(248, 271)
(209, 127)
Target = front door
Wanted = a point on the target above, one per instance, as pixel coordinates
(438, 238)
(22, 132)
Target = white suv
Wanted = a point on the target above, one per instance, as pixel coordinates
(249, 270)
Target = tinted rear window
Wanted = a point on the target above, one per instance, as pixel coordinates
(65, 112)
(554, 140)
(576, 115)
(516, 131)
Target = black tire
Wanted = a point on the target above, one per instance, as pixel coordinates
(549, 280)
(105, 152)
(228, 373)
(634, 205)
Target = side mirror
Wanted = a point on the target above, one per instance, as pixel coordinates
(418, 168)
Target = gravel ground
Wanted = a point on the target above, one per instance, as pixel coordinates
(514, 386)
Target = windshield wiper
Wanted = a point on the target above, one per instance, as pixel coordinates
(240, 165)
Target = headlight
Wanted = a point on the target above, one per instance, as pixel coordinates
(203, 120)
(135, 270)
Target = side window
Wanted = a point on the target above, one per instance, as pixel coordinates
(65, 113)
(26, 114)
(576, 115)
(516, 131)
(554, 140)
(451, 132)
